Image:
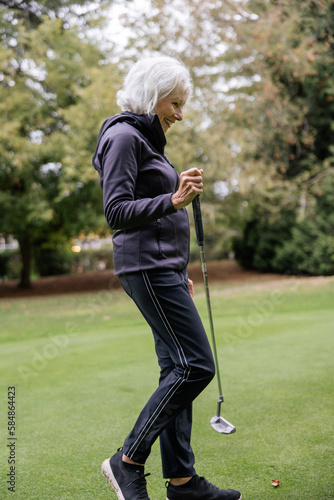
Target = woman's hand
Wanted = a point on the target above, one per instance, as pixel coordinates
(191, 288)
(191, 184)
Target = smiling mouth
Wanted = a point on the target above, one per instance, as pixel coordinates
(168, 122)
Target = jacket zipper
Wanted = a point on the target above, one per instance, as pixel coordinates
(158, 237)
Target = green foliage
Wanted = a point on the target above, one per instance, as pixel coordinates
(309, 252)
(10, 265)
(292, 143)
(260, 121)
(261, 118)
(53, 261)
(286, 244)
(311, 247)
(260, 240)
(290, 47)
(4, 259)
(53, 98)
(31, 12)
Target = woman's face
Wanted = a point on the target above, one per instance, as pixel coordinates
(169, 109)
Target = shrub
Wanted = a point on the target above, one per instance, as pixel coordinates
(53, 261)
(10, 265)
(258, 245)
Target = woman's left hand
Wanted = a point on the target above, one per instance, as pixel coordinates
(191, 288)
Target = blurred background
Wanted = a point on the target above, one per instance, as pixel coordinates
(260, 124)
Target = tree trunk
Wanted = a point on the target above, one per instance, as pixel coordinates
(25, 249)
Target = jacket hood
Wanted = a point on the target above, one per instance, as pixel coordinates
(147, 124)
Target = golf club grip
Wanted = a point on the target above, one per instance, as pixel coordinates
(198, 221)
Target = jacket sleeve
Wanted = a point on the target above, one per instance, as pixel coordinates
(120, 157)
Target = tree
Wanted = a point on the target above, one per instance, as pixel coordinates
(261, 120)
(48, 190)
(291, 46)
(32, 12)
(198, 33)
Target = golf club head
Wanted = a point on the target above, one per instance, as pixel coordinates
(221, 425)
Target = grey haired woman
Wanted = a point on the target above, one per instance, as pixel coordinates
(144, 202)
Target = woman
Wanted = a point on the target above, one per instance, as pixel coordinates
(144, 202)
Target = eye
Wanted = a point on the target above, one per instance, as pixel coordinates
(175, 104)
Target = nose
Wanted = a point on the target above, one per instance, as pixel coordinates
(178, 114)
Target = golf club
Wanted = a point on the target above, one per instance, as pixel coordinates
(219, 423)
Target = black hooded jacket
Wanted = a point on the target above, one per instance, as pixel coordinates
(138, 181)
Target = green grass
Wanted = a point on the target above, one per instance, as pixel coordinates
(83, 366)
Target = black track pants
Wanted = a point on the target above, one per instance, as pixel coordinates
(186, 363)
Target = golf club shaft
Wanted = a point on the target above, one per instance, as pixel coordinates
(208, 302)
(200, 241)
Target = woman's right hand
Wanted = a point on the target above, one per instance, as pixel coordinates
(191, 184)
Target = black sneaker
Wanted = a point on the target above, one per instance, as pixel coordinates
(199, 488)
(127, 480)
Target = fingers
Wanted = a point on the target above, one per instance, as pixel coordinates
(191, 184)
(192, 180)
(193, 172)
(192, 176)
(191, 288)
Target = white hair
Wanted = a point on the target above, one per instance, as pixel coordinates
(150, 80)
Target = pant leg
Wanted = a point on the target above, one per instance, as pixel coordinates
(177, 457)
(164, 300)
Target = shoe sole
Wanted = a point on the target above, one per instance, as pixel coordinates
(108, 474)
(240, 498)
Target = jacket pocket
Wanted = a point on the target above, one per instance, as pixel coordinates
(161, 254)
